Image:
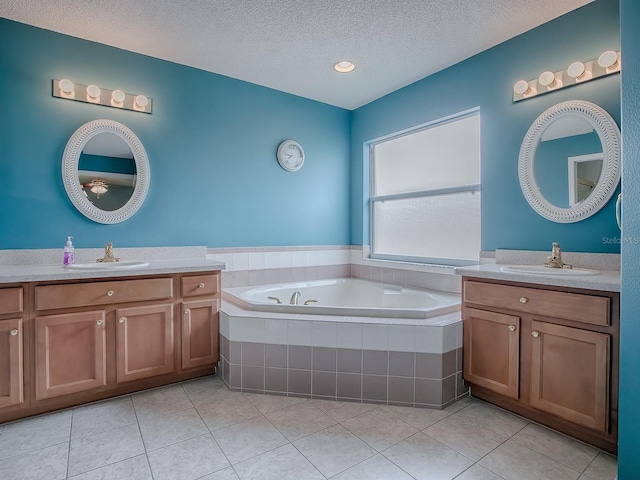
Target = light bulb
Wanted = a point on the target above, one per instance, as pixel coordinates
(521, 87)
(547, 79)
(608, 59)
(117, 97)
(576, 69)
(66, 86)
(142, 101)
(93, 93)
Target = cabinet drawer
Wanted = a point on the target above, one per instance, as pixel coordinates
(11, 300)
(194, 286)
(102, 293)
(569, 306)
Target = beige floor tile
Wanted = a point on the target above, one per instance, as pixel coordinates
(419, 418)
(379, 428)
(249, 439)
(46, 464)
(99, 450)
(102, 416)
(466, 436)
(498, 420)
(478, 472)
(558, 447)
(515, 462)
(227, 411)
(341, 411)
(460, 404)
(425, 458)
(226, 474)
(188, 460)
(300, 420)
(32, 434)
(283, 463)
(374, 468)
(271, 403)
(603, 467)
(160, 401)
(206, 390)
(334, 450)
(175, 427)
(136, 468)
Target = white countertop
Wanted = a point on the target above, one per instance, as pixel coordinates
(608, 281)
(37, 273)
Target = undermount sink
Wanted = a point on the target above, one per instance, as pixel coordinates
(542, 270)
(107, 265)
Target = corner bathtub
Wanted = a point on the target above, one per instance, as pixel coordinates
(362, 342)
(345, 297)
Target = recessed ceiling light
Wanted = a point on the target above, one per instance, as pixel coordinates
(345, 66)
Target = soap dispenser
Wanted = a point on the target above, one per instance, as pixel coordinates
(69, 254)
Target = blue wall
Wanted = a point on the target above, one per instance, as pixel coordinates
(211, 142)
(486, 81)
(628, 458)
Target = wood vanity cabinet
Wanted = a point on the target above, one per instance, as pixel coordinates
(11, 347)
(547, 353)
(98, 338)
(199, 316)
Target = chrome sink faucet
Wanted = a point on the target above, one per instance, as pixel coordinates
(294, 298)
(108, 254)
(555, 259)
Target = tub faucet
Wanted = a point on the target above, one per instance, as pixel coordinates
(555, 259)
(294, 298)
(108, 254)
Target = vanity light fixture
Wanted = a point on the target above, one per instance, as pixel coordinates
(65, 88)
(577, 72)
(344, 66)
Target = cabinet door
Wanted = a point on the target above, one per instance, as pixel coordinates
(11, 379)
(199, 333)
(144, 342)
(491, 351)
(570, 373)
(70, 353)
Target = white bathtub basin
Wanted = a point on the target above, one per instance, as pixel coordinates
(107, 265)
(542, 270)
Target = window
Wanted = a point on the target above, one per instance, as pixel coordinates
(425, 193)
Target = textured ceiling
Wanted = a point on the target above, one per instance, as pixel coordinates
(291, 45)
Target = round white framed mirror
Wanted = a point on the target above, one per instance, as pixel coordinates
(105, 171)
(569, 164)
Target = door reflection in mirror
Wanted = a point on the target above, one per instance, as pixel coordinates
(107, 171)
(568, 161)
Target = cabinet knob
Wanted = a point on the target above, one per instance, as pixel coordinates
(201, 285)
(14, 332)
(187, 311)
(122, 319)
(524, 299)
(535, 334)
(512, 328)
(110, 293)
(99, 323)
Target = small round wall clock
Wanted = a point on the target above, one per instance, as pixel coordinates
(290, 155)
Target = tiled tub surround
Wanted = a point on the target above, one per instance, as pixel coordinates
(265, 265)
(374, 360)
